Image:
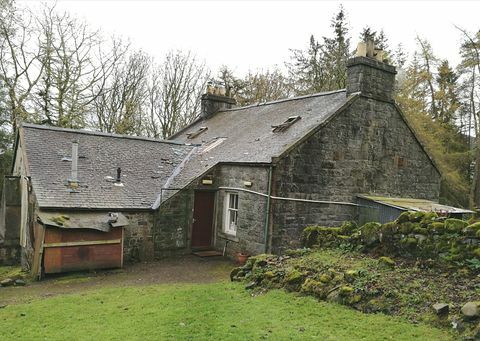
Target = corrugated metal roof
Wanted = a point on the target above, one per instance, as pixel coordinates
(83, 220)
(411, 204)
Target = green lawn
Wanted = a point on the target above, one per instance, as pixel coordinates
(201, 312)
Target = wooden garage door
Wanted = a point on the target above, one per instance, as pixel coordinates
(82, 249)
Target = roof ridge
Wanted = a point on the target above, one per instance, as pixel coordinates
(98, 133)
(318, 94)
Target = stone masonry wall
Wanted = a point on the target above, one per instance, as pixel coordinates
(251, 208)
(368, 148)
(173, 221)
(172, 225)
(137, 237)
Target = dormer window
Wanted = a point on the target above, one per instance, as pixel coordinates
(196, 133)
(285, 125)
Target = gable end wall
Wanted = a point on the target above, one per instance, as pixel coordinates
(358, 151)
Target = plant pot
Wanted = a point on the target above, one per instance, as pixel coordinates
(242, 258)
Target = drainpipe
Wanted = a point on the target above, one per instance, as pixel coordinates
(267, 210)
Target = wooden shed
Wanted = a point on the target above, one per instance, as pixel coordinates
(78, 241)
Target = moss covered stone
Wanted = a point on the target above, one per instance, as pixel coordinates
(410, 242)
(386, 262)
(320, 235)
(437, 227)
(294, 277)
(476, 252)
(325, 278)
(455, 225)
(346, 290)
(406, 228)
(350, 275)
(318, 289)
(428, 218)
(370, 233)
(403, 218)
(348, 227)
(354, 299)
(420, 230)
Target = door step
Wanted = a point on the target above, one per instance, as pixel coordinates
(208, 253)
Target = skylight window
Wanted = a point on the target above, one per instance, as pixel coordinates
(196, 133)
(212, 144)
(285, 125)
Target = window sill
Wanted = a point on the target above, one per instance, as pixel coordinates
(229, 237)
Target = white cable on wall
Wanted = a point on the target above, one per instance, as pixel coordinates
(289, 199)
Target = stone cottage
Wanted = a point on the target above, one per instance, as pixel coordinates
(237, 179)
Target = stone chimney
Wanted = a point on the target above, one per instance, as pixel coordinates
(368, 74)
(215, 100)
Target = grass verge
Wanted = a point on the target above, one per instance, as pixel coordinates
(199, 312)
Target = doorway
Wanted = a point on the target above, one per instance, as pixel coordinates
(202, 227)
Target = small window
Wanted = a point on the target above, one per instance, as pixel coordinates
(196, 133)
(231, 214)
(285, 125)
(400, 162)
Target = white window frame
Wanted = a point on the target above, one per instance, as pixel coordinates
(230, 211)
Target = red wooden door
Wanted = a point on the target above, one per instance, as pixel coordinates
(202, 228)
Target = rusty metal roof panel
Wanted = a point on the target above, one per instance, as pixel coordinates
(83, 220)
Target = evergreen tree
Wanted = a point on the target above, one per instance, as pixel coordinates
(443, 140)
(336, 52)
(447, 94)
(306, 71)
(469, 68)
(399, 57)
(323, 66)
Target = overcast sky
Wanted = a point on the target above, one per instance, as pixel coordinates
(250, 35)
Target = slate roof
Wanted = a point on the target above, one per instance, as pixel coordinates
(146, 166)
(247, 132)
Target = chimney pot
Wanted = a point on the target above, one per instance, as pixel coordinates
(370, 48)
(215, 100)
(361, 49)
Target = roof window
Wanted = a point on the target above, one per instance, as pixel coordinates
(196, 133)
(212, 144)
(285, 125)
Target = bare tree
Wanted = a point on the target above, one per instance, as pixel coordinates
(263, 87)
(174, 93)
(429, 61)
(20, 62)
(119, 107)
(49, 65)
(74, 63)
